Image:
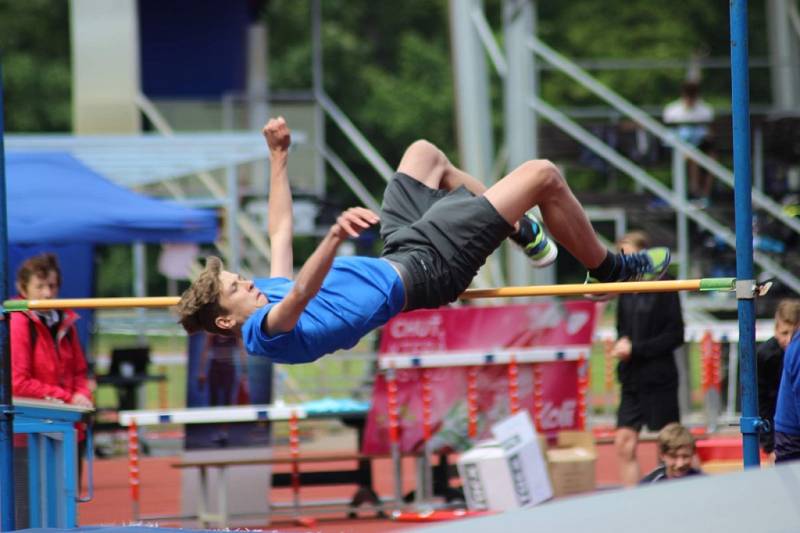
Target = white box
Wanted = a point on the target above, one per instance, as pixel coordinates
(508, 472)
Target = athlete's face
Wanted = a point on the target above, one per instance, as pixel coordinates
(679, 462)
(784, 332)
(239, 297)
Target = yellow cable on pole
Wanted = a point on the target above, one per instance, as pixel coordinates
(576, 289)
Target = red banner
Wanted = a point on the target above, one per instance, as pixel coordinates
(448, 331)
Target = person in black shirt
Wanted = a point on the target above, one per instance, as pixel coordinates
(676, 449)
(770, 365)
(650, 328)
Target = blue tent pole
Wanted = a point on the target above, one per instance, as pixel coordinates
(6, 412)
(750, 423)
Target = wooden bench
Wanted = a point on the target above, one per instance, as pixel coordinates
(361, 476)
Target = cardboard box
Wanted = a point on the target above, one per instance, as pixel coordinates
(508, 472)
(571, 463)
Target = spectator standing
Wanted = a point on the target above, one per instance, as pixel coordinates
(691, 118)
(217, 367)
(650, 328)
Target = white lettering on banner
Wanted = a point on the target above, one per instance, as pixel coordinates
(413, 327)
(418, 335)
(558, 417)
(549, 317)
(576, 321)
(416, 346)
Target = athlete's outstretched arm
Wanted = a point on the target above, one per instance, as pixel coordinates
(278, 137)
(286, 313)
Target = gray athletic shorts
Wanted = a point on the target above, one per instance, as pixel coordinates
(438, 239)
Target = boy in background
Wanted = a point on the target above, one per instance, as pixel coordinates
(676, 449)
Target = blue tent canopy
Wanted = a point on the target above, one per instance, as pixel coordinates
(53, 198)
(57, 204)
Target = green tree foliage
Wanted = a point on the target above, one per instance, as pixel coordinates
(114, 265)
(624, 29)
(34, 41)
(387, 65)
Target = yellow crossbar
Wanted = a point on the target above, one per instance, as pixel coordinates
(579, 289)
(94, 303)
(576, 289)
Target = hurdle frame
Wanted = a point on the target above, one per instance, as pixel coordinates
(274, 413)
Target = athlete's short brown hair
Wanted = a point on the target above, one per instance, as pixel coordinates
(199, 306)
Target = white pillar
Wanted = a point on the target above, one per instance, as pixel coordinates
(257, 77)
(105, 66)
(521, 124)
(784, 53)
(473, 113)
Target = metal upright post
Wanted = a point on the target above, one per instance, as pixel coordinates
(140, 287)
(682, 224)
(6, 408)
(257, 76)
(476, 150)
(232, 224)
(521, 131)
(784, 54)
(473, 108)
(750, 423)
(319, 92)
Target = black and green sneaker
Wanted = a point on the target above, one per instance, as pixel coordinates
(647, 265)
(540, 249)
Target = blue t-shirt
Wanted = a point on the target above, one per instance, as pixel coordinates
(358, 295)
(787, 412)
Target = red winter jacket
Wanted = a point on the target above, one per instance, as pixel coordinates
(49, 369)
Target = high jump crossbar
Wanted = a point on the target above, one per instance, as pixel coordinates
(574, 289)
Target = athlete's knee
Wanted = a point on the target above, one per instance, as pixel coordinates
(423, 161)
(545, 174)
(425, 150)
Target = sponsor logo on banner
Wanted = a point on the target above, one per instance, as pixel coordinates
(553, 417)
(413, 333)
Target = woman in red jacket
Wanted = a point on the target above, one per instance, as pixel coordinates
(46, 357)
